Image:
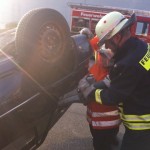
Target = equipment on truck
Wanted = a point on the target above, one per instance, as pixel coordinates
(90, 15)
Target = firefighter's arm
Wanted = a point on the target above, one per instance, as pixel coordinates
(106, 97)
(88, 89)
(85, 92)
(122, 86)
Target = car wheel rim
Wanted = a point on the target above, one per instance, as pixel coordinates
(50, 43)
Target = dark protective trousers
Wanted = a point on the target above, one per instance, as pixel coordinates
(104, 139)
(136, 140)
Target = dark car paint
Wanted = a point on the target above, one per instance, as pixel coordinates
(27, 112)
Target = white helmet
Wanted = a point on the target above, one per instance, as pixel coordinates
(111, 24)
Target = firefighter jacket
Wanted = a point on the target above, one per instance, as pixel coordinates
(130, 84)
(101, 116)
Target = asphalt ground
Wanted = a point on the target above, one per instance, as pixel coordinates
(71, 132)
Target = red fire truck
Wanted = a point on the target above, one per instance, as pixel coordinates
(88, 16)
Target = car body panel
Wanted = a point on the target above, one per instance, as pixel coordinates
(27, 110)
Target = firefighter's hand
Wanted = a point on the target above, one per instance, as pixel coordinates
(87, 32)
(86, 88)
(105, 83)
(76, 96)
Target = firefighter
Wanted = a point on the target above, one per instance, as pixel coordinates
(130, 79)
(103, 120)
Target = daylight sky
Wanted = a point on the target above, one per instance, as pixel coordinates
(12, 10)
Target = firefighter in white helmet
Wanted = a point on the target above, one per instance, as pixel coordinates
(110, 25)
(130, 79)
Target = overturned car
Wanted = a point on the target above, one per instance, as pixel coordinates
(39, 62)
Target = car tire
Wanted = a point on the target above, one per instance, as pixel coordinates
(44, 45)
